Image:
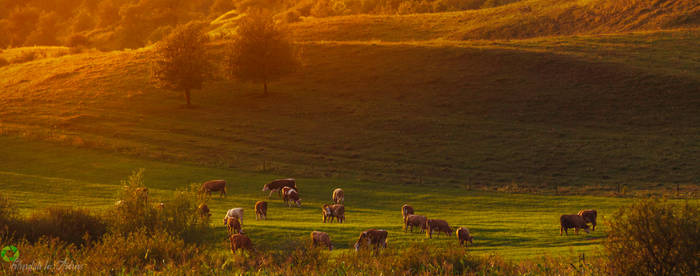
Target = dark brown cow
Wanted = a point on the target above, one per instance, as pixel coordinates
(438, 225)
(214, 186)
(338, 196)
(321, 238)
(374, 237)
(260, 210)
(589, 216)
(464, 236)
(203, 211)
(278, 184)
(415, 220)
(292, 196)
(233, 225)
(572, 221)
(406, 210)
(240, 241)
(333, 211)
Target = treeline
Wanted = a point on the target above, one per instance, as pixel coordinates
(119, 24)
(104, 24)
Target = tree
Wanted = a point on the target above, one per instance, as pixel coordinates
(262, 52)
(654, 237)
(182, 62)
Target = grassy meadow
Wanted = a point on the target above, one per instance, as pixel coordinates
(517, 226)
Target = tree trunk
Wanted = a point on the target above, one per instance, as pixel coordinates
(187, 97)
(265, 87)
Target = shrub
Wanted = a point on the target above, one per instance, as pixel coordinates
(75, 226)
(77, 41)
(654, 237)
(8, 216)
(134, 212)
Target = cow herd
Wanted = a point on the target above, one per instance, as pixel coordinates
(376, 238)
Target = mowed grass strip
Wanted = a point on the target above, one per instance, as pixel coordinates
(514, 225)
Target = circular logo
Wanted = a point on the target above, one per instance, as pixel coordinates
(4, 254)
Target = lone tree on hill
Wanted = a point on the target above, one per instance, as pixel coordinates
(181, 59)
(262, 52)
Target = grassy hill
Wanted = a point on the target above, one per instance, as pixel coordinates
(524, 19)
(531, 113)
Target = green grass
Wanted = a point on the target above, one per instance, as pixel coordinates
(519, 226)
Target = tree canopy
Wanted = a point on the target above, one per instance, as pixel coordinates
(262, 51)
(181, 60)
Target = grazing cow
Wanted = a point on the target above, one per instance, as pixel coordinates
(160, 206)
(278, 184)
(572, 221)
(415, 220)
(438, 225)
(286, 190)
(203, 211)
(374, 237)
(321, 238)
(406, 210)
(118, 203)
(589, 216)
(233, 225)
(464, 236)
(333, 211)
(234, 213)
(338, 196)
(240, 241)
(214, 186)
(292, 196)
(261, 210)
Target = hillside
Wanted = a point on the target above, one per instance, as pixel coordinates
(521, 116)
(525, 19)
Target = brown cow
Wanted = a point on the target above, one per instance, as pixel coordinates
(438, 225)
(406, 210)
(333, 211)
(240, 241)
(415, 220)
(278, 184)
(572, 221)
(321, 238)
(589, 216)
(464, 236)
(233, 225)
(260, 210)
(374, 237)
(338, 196)
(292, 196)
(203, 211)
(213, 186)
(285, 190)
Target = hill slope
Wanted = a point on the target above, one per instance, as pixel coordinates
(492, 115)
(526, 19)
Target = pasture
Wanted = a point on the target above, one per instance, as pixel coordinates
(517, 226)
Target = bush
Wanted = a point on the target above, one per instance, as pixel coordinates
(77, 41)
(75, 226)
(654, 237)
(178, 217)
(8, 216)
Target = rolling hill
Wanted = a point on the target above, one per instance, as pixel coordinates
(418, 103)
